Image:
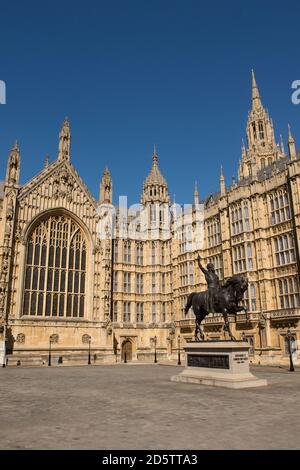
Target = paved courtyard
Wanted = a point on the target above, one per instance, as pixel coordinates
(131, 406)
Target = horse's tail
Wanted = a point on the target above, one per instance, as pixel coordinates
(189, 302)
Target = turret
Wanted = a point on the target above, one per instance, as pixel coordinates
(262, 149)
(155, 188)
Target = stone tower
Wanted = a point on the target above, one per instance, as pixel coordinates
(155, 188)
(262, 149)
(11, 188)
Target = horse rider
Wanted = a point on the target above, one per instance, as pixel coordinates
(213, 283)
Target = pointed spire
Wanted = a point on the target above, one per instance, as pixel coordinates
(46, 161)
(196, 194)
(154, 156)
(240, 170)
(13, 165)
(155, 188)
(282, 145)
(222, 182)
(256, 102)
(291, 138)
(64, 141)
(243, 150)
(106, 172)
(291, 145)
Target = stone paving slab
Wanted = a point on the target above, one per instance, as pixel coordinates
(123, 407)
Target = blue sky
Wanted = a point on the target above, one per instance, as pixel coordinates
(129, 74)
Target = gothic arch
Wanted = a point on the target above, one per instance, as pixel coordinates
(65, 279)
(57, 211)
(128, 348)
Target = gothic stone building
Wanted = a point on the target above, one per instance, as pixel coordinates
(62, 287)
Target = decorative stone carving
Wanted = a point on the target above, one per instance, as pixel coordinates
(106, 305)
(4, 270)
(64, 141)
(12, 175)
(7, 228)
(86, 338)
(54, 338)
(18, 235)
(10, 209)
(98, 248)
(63, 184)
(2, 298)
(20, 338)
(109, 330)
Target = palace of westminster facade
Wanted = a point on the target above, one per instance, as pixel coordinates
(62, 286)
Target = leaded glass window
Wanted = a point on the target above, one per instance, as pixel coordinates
(55, 271)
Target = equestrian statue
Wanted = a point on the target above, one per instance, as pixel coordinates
(225, 299)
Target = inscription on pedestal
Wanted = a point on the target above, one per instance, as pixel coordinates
(220, 361)
(240, 358)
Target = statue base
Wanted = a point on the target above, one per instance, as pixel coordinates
(218, 363)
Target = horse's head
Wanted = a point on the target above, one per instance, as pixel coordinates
(241, 287)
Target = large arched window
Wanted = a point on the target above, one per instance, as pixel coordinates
(55, 270)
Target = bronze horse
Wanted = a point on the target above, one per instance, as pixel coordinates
(226, 301)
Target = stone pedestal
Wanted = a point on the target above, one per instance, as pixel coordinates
(2, 353)
(218, 363)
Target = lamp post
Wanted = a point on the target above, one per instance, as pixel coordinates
(49, 354)
(52, 339)
(155, 341)
(3, 346)
(289, 338)
(179, 361)
(89, 357)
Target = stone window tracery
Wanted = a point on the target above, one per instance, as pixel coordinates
(55, 270)
(280, 207)
(289, 292)
(284, 249)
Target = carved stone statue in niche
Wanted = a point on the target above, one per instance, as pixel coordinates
(10, 209)
(63, 185)
(2, 298)
(4, 270)
(18, 235)
(13, 165)
(8, 226)
(64, 141)
(107, 193)
(106, 305)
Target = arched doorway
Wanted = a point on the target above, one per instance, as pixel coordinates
(127, 349)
